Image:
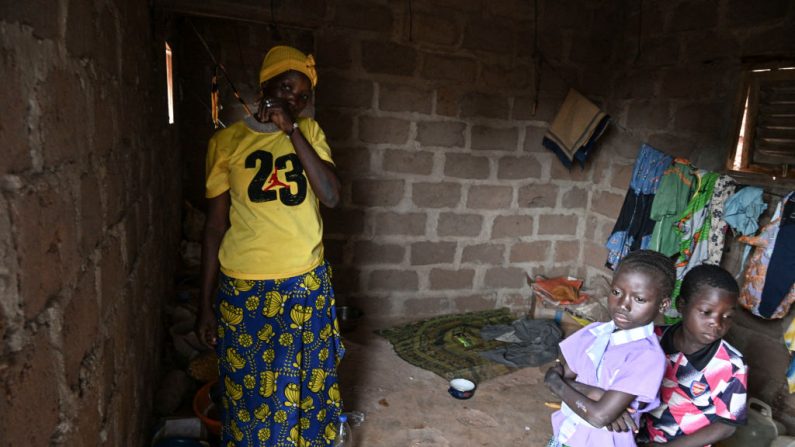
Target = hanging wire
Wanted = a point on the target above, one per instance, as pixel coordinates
(199, 99)
(640, 30)
(240, 51)
(221, 68)
(214, 103)
(536, 60)
(411, 23)
(275, 35)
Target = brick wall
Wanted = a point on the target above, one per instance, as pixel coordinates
(449, 197)
(86, 243)
(428, 112)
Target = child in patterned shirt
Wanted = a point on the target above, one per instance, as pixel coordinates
(703, 393)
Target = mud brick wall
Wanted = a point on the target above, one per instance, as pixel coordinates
(88, 221)
(449, 197)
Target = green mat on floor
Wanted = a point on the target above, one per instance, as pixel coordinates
(449, 345)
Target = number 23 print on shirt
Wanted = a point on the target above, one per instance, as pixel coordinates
(266, 186)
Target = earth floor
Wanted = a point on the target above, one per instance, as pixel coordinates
(406, 406)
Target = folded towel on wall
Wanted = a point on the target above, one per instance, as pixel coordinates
(575, 129)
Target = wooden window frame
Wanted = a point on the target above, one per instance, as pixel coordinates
(738, 163)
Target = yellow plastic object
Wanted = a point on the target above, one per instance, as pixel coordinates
(581, 321)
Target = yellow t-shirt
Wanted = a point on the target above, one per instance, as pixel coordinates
(276, 230)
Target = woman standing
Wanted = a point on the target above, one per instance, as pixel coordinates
(272, 320)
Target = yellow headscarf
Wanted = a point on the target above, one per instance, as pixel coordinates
(282, 58)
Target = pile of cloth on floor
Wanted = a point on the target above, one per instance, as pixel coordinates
(528, 342)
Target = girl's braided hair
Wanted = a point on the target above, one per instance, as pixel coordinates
(710, 276)
(653, 263)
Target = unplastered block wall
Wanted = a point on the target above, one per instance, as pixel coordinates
(672, 80)
(449, 196)
(87, 222)
(450, 199)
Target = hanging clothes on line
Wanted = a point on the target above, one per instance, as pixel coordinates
(742, 213)
(769, 287)
(724, 189)
(789, 340)
(743, 209)
(634, 226)
(676, 187)
(693, 228)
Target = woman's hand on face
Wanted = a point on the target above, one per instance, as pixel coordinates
(206, 328)
(277, 111)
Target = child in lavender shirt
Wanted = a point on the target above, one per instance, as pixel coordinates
(611, 372)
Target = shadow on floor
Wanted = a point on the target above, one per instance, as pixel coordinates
(406, 406)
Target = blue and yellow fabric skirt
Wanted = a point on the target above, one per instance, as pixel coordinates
(278, 347)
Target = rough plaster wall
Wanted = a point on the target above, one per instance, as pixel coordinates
(87, 233)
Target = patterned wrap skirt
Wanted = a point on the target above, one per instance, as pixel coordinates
(278, 347)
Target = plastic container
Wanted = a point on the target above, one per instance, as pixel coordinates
(348, 317)
(203, 406)
(344, 433)
(547, 313)
(355, 418)
(761, 430)
(783, 441)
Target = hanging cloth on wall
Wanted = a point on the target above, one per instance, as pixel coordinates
(724, 189)
(575, 129)
(693, 229)
(742, 213)
(789, 340)
(214, 103)
(633, 227)
(693, 226)
(676, 188)
(768, 290)
(743, 209)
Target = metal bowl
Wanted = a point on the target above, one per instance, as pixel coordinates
(462, 388)
(348, 317)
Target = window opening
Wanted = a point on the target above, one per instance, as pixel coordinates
(170, 84)
(765, 134)
(738, 155)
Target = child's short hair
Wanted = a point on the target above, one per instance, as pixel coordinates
(707, 275)
(654, 263)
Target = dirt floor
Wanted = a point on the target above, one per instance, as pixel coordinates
(406, 406)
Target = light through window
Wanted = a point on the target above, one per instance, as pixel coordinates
(170, 84)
